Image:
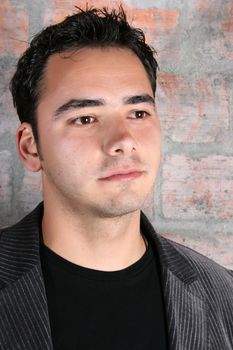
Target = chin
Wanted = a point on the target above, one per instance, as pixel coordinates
(114, 209)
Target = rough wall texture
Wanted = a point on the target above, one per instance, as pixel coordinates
(193, 202)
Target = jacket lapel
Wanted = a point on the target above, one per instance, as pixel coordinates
(184, 296)
(24, 317)
(186, 314)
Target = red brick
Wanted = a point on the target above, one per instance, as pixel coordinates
(227, 23)
(14, 28)
(6, 187)
(153, 21)
(57, 10)
(197, 189)
(202, 5)
(227, 28)
(193, 111)
(217, 41)
(217, 247)
(9, 120)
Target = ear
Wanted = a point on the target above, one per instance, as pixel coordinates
(27, 148)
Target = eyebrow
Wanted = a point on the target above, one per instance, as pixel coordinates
(139, 99)
(75, 103)
(82, 103)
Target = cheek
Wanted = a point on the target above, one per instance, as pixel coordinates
(151, 139)
(152, 150)
(77, 153)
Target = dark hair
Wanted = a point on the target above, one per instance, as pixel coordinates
(90, 27)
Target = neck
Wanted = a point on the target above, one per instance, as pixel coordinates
(106, 244)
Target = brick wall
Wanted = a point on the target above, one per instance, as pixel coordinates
(193, 201)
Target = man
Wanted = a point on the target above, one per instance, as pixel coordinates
(85, 270)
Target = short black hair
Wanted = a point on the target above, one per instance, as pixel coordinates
(85, 28)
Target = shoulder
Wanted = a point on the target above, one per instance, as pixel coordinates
(19, 246)
(215, 282)
(173, 253)
(24, 226)
(188, 264)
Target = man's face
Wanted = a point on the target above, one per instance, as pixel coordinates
(98, 131)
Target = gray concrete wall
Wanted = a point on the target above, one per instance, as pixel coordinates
(193, 202)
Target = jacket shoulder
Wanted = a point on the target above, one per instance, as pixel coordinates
(19, 247)
(214, 280)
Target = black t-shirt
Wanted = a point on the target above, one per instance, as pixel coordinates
(93, 310)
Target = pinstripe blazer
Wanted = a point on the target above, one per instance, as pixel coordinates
(198, 293)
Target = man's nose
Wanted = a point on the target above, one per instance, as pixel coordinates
(119, 140)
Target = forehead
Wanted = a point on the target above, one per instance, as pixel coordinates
(91, 68)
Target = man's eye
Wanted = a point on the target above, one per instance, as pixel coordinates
(86, 119)
(140, 114)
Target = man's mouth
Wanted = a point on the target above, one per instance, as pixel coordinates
(123, 175)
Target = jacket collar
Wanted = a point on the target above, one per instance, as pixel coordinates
(169, 257)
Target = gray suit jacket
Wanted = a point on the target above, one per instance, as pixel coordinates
(198, 293)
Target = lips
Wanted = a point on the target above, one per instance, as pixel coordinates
(122, 175)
